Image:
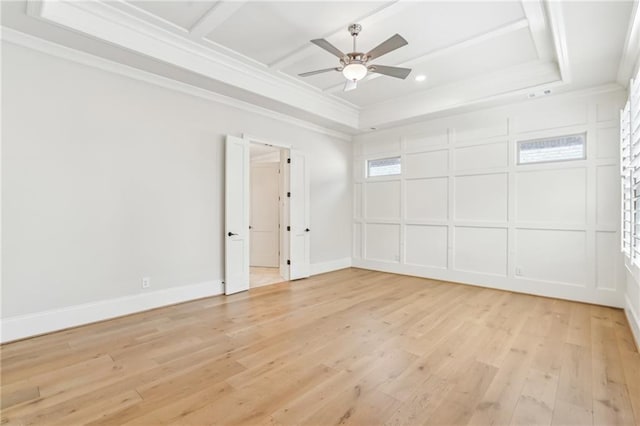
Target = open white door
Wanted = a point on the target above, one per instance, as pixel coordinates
(236, 218)
(299, 248)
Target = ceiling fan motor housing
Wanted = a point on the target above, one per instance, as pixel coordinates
(355, 29)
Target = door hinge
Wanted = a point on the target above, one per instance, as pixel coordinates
(289, 194)
(288, 262)
(288, 160)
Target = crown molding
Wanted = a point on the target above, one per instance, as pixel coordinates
(63, 52)
(629, 62)
(464, 109)
(495, 86)
(102, 21)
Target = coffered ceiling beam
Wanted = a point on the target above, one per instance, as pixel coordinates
(535, 13)
(215, 17)
(559, 34)
(366, 21)
(505, 29)
(99, 20)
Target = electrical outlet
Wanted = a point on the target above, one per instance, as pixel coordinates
(518, 271)
(146, 282)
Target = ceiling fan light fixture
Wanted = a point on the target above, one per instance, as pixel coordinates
(354, 71)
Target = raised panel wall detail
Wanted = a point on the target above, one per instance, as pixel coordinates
(552, 255)
(480, 128)
(382, 242)
(420, 143)
(427, 199)
(383, 200)
(481, 250)
(381, 146)
(488, 156)
(606, 251)
(481, 197)
(357, 240)
(607, 144)
(607, 177)
(532, 117)
(424, 164)
(466, 212)
(426, 245)
(357, 200)
(551, 196)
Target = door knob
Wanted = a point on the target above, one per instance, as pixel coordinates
(231, 234)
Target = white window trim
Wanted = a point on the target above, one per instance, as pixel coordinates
(389, 176)
(630, 174)
(520, 142)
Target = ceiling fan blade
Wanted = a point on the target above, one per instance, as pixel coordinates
(350, 85)
(324, 44)
(396, 72)
(307, 74)
(393, 43)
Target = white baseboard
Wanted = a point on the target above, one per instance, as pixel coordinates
(558, 290)
(19, 327)
(333, 265)
(633, 319)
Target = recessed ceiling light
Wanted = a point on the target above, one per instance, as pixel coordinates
(421, 77)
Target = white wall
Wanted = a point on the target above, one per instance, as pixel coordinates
(106, 179)
(464, 211)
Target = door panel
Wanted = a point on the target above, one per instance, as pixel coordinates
(300, 227)
(265, 214)
(236, 215)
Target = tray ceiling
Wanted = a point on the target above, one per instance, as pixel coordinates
(468, 51)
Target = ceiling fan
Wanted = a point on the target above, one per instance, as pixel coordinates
(354, 66)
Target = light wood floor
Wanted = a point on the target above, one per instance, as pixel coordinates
(349, 347)
(260, 276)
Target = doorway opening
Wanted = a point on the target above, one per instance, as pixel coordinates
(267, 219)
(293, 214)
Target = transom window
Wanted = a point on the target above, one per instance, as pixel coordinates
(384, 167)
(546, 150)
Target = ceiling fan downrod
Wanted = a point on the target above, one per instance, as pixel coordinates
(354, 30)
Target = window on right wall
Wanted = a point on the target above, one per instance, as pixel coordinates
(557, 148)
(630, 173)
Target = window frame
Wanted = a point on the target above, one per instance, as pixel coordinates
(520, 142)
(630, 174)
(388, 176)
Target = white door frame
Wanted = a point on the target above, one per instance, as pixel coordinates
(285, 213)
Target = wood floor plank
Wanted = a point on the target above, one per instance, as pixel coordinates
(536, 400)
(347, 347)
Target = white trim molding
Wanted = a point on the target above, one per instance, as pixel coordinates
(101, 20)
(524, 286)
(332, 265)
(634, 321)
(23, 326)
(631, 51)
(31, 42)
